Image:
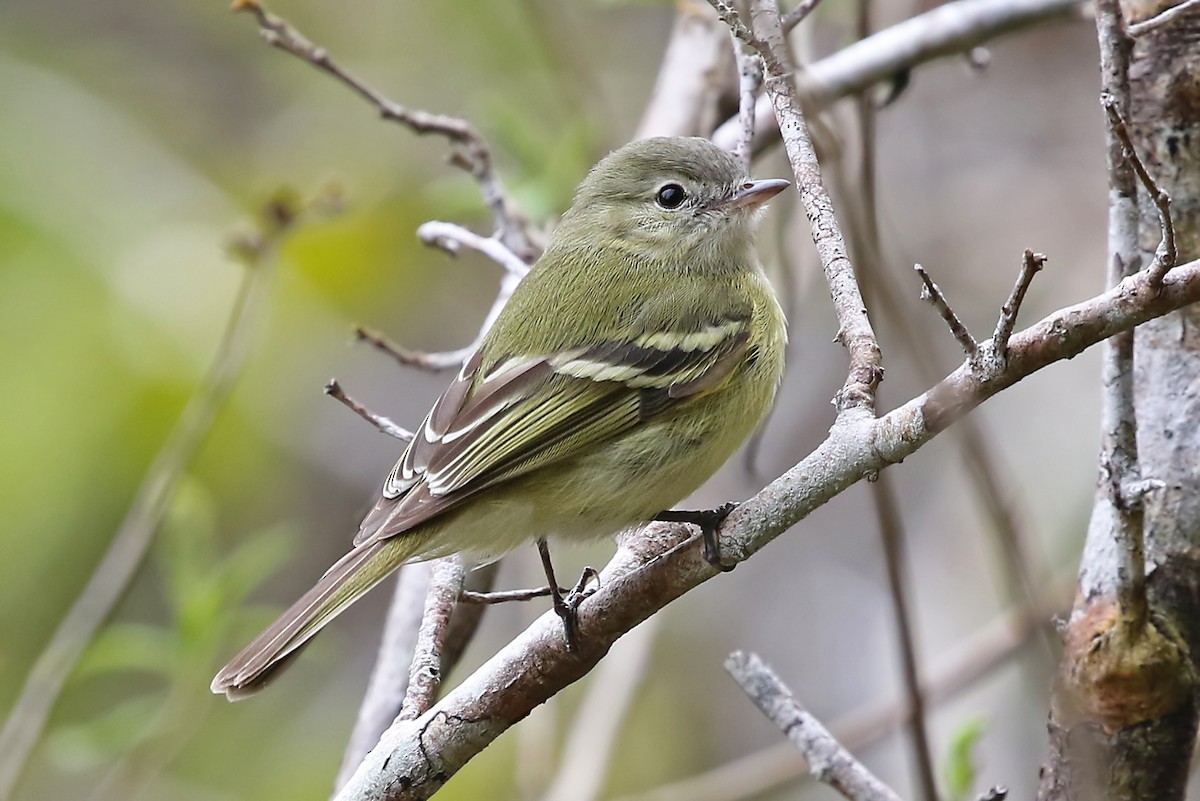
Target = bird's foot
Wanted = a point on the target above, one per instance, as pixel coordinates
(708, 521)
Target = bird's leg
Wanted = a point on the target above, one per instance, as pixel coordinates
(708, 520)
(567, 606)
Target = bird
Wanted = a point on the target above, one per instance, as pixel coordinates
(635, 357)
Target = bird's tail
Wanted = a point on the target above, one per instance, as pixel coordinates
(343, 584)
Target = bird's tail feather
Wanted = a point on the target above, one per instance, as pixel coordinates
(344, 583)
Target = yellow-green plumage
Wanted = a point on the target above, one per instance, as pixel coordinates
(634, 359)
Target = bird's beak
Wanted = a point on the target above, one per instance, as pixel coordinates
(752, 194)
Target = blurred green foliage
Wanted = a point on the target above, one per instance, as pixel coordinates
(136, 137)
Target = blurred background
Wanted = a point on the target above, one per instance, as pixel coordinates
(139, 137)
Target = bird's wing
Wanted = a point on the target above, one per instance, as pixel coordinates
(530, 411)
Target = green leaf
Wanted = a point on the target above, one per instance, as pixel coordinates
(959, 769)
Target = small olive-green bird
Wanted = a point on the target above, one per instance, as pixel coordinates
(639, 352)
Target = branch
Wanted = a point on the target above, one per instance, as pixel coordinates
(759, 772)
(661, 562)
(933, 294)
(948, 30)
(389, 678)
(256, 250)
(827, 759)
(854, 328)
(425, 675)
(750, 78)
(693, 79)
(1165, 255)
(471, 150)
(1031, 265)
(891, 531)
(1114, 563)
(450, 238)
(382, 424)
(1165, 18)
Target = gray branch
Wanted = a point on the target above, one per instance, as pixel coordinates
(827, 760)
(661, 562)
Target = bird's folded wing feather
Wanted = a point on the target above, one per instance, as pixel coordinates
(527, 412)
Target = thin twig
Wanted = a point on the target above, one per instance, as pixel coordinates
(933, 294)
(257, 251)
(827, 759)
(798, 14)
(389, 677)
(334, 390)
(1031, 263)
(1165, 255)
(854, 327)
(471, 153)
(1173, 13)
(891, 531)
(503, 596)
(425, 675)
(451, 238)
(425, 360)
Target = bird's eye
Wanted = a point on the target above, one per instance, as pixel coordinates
(671, 196)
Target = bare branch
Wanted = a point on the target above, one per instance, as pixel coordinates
(389, 678)
(933, 294)
(798, 14)
(693, 79)
(1165, 255)
(256, 250)
(854, 327)
(948, 30)
(471, 153)
(759, 772)
(750, 77)
(661, 562)
(425, 675)
(424, 360)
(334, 390)
(891, 530)
(730, 16)
(1159, 20)
(827, 759)
(450, 238)
(1031, 264)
